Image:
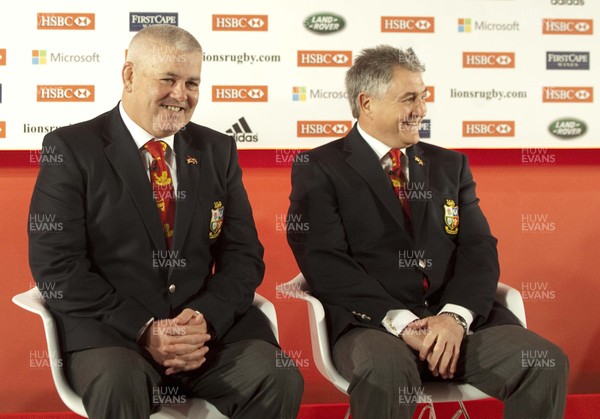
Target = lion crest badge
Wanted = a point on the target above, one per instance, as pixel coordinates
(216, 219)
(451, 217)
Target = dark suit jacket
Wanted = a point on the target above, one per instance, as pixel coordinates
(356, 253)
(105, 265)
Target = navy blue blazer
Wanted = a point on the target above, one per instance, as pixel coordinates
(357, 253)
(108, 266)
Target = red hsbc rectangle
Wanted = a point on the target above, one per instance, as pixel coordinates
(412, 24)
(430, 94)
(488, 60)
(568, 26)
(568, 94)
(488, 129)
(66, 21)
(65, 93)
(320, 129)
(247, 23)
(240, 93)
(324, 58)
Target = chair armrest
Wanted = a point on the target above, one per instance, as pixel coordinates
(33, 301)
(319, 338)
(268, 309)
(512, 299)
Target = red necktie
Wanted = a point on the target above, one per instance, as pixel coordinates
(162, 188)
(399, 182)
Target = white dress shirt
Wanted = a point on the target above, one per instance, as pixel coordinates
(141, 137)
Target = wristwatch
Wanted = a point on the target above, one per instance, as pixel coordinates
(459, 319)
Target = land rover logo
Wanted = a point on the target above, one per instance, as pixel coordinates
(567, 128)
(324, 23)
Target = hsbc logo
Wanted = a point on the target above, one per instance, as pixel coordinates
(488, 60)
(66, 21)
(488, 128)
(568, 94)
(324, 58)
(407, 24)
(249, 23)
(64, 93)
(430, 94)
(320, 129)
(568, 26)
(240, 93)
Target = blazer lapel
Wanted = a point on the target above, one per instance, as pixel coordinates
(418, 185)
(188, 181)
(364, 160)
(125, 158)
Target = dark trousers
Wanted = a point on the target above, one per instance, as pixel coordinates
(242, 379)
(508, 362)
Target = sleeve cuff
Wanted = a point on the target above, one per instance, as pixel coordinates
(140, 335)
(396, 320)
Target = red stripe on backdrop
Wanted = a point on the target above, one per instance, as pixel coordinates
(579, 406)
(283, 158)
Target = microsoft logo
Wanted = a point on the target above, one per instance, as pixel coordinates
(299, 94)
(38, 56)
(464, 25)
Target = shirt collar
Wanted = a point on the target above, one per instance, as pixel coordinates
(378, 147)
(139, 134)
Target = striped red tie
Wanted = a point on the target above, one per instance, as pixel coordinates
(399, 182)
(162, 188)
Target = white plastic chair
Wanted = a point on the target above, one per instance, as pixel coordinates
(195, 408)
(439, 392)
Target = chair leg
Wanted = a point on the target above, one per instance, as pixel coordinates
(428, 407)
(462, 411)
(347, 414)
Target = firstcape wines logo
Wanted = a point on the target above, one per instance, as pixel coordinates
(140, 20)
(567, 60)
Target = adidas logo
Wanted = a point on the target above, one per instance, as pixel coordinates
(242, 132)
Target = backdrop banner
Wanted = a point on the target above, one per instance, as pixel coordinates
(501, 74)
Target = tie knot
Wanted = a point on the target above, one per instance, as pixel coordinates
(396, 156)
(156, 148)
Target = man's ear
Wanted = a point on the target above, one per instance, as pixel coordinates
(127, 76)
(365, 104)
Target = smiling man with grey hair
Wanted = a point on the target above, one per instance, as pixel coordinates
(159, 257)
(401, 256)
